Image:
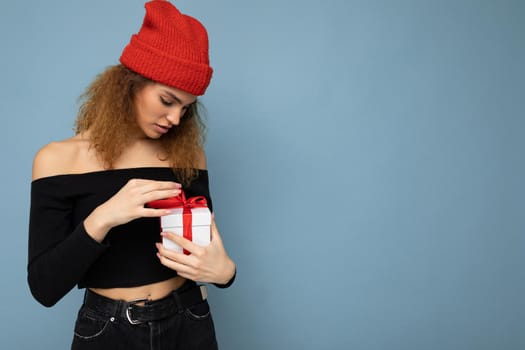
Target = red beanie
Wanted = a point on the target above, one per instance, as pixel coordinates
(171, 48)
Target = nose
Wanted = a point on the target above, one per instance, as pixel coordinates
(174, 116)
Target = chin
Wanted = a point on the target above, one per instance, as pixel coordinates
(151, 134)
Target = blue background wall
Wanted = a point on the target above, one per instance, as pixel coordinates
(366, 160)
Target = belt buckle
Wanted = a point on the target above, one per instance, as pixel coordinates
(130, 320)
(130, 305)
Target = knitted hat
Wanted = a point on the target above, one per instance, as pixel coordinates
(171, 48)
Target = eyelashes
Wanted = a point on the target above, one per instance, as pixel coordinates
(169, 103)
(166, 102)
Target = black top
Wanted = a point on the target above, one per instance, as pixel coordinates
(62, 254)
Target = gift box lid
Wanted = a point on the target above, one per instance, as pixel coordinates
(199, 217)
(200, 214)
(178, 202)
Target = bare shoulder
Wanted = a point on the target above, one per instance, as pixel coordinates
(57, 158)
(201, 159)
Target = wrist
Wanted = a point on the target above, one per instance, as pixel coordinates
(96, 226)
(228, 272)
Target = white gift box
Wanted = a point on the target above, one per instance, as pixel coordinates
(200, 219)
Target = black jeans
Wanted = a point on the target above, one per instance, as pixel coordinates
(105, 325)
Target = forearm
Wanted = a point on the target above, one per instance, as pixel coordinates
(55, 272)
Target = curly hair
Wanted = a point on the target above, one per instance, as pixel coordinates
(107, 110)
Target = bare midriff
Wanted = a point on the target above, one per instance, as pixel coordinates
(152, 291)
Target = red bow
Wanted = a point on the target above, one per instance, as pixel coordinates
(179, 202)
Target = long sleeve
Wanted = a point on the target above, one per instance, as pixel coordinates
(59, 252)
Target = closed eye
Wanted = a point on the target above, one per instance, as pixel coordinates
(166, 102)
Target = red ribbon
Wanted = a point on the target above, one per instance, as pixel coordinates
(186, 204)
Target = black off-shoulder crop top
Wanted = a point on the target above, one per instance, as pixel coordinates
(62, 254)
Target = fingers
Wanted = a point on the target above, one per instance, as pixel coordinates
(185, 265)
(150, 190)
(153, 213)
(215, 236)
(184, 243)
(172, 255)
(170, 261)
(162, 184)
(159, 194)
(205, 264)
(145, 186)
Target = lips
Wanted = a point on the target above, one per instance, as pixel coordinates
(162, 129)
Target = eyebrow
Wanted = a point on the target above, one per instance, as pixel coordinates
(173, 96)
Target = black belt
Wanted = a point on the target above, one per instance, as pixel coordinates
(150, 310)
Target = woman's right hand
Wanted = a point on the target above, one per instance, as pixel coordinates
(128, 204)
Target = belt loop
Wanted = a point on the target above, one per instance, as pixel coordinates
(119, 309)
(178, 302)
(204, 291)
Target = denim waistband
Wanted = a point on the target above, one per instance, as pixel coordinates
(151, 310)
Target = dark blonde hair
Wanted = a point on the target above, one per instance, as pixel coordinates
(108, 111)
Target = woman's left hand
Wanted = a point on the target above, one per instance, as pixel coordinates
(209, 264)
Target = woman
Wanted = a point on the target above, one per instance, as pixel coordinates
(138, 139)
